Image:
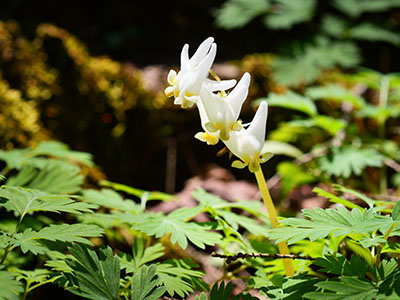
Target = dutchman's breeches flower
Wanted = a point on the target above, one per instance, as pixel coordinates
(185, 86)
(247, 144)
(223, 110)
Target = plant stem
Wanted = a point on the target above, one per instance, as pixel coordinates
(269, 204)
(383, 98)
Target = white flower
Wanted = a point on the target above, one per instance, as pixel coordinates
(247, 144)
(186, 85)
(211, 138)
(223, 110)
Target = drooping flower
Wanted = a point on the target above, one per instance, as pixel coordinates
(211, 138)
(223, 109)
(247, 144)
(185, 85)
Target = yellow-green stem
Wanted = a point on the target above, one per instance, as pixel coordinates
(282, 246)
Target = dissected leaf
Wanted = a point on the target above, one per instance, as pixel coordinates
(10, 288)
(237, 13)
(111, 199)
(95, 277)
(286, 13)
(371, 32)
(144, 284)
(349, 160)
(23, 201)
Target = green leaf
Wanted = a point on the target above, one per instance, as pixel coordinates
(370, 202)
(336, 199)
(348, 288)
(60, 150)
(354, 8)
(23, 201)
(339, 265)
(396, 211)
(348, 160)
(29, 240)
(95, 277)
(137, 192)
(144, 284)
(333, 92)
(374, 33)
(279, 148)
(53, 177)
(9, 287)
(237, 13)
(293, 176)
(305, 65)
(292, 101)
(321, 223)
(286, 13)
(37, 275)
(110, 199)
(377, 112)
(333, 25)
(221, 292)
(177, 278)
(181, 231)
(330, 125)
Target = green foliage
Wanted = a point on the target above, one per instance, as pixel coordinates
(290, 100)
(9, 287)
(306, 64)
(354, 8)
(94, 277)
(237, 13)
(346, 161)
(144, 284)
(284, 14)
(293, 176)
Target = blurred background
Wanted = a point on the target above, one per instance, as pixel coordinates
(92, 74)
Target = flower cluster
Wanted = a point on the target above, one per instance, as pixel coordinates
(219, 111)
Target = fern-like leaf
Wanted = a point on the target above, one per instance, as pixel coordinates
(23, 201)
(144, 284)
(94, 277)
(348, 160)
(10, 288)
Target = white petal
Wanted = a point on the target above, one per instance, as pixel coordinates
(171, 76)
(206, 63)
(223, 85)
(185, 57)
(201, 52)
(257, 126)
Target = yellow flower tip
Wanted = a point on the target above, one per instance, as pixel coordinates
(237, 126)
(169, 91)
(266, 157)
(254, 167)
(209, 138)
(186, 104)
(239, 164)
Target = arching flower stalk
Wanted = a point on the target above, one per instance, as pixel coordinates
(219, 112)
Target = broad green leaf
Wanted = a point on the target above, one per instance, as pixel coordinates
(237, 13)
(348, 160)
(95, 277)
(333, 92)
(279, 148)
(23, 201)
(144, 284)
(53, 177)
(10, 288)
(288, 132)
(286, 13)
(378, 112)
(321, 223)
(396, 211)
(29, 240)
(336, 199)
(330, 125)
(292, 101)
(293, 176)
